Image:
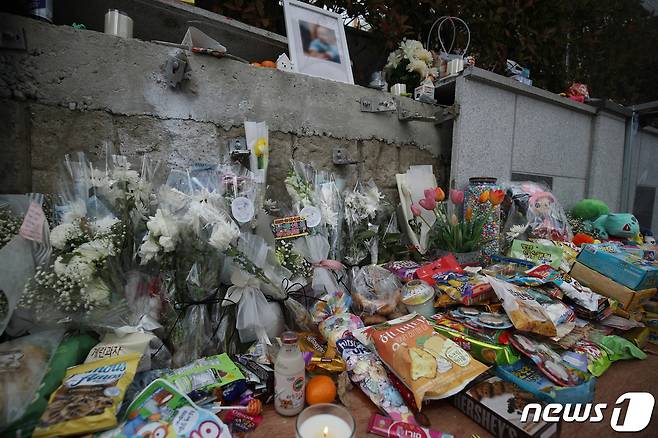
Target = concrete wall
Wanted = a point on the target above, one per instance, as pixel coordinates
(75, 90)
(505, 127)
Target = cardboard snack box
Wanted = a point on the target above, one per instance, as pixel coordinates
(628, 299)
(496, 405)
(622, 266)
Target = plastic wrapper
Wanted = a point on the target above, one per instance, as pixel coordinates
(24, 365)
(563, 370)
(532, 311)
(488, 353)
(337, 325)
(257, 136)
(428, 363)
(83, 403)
(580, 294)
(464, 288)
(363, 208)
(405, 270)
(375, 290)
(319, 355)
(368, 372)
(204, 374)
(161, 410)
(534, 213)
(536, 253)
(527, 376)
(331, 304)
(241, 191)
(315, 248)
(389, 428)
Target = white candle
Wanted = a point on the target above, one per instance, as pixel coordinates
(325, 426)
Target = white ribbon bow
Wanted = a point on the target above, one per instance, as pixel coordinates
(252, 316)
(316, 249)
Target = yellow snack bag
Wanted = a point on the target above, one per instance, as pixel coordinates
(89, 397)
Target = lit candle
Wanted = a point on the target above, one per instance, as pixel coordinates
(325, 420)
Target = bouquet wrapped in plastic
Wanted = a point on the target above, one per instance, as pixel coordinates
(363, 207)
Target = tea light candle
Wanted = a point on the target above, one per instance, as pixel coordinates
(325, 420)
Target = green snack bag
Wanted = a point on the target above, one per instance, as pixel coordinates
(71, 351)
(205, 373)
(537, 253)
(620, 348)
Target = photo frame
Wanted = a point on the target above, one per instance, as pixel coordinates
(317, 42)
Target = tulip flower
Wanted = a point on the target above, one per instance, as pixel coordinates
(429, 193)
(453, 219)
(457, 196)
(497, 197)
(469, 213)
(439, 194)
(415, 210)
(484, 197)
(428, 203)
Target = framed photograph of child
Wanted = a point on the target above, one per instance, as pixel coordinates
(316, 41)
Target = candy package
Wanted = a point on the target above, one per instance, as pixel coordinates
(527, 376)
(537, 253)
(405, 270)
(474, 317)
(321, 356)
(580, 294)
(386, 427)
(205, 373)
(488, 352)
(89, 397)
(23, 364)
(466, 288)
(368, 372)
(161, 410)
(554, 366)
(532, 311)
(335, 327)
(428, 363)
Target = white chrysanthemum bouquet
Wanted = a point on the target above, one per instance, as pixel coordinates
(409, 64)
(363, 208)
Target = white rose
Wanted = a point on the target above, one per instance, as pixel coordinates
(60, 235)
(223, 233)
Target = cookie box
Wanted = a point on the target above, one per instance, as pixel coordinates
(626, 268)
(599, 283)
(496, 405)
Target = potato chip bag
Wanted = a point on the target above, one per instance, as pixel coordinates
(89, 397)
(429, 364)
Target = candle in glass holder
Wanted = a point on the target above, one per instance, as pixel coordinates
(325, 420)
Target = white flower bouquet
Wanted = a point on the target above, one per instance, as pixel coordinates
(410, 64)
(363, 208)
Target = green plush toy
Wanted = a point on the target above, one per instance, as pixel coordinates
(589, 209)
(623, 225)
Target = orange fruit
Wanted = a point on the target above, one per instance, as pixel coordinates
(256, 64)
(320, 389)
(270, 64)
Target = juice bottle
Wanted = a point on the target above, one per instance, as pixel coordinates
(289, 377)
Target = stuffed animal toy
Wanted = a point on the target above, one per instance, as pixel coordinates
(589, 209)
(622, 226)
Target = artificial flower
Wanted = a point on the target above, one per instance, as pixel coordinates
(457, 196)
(484, 197)
(439, 194)
(415, 210)
(497, 197)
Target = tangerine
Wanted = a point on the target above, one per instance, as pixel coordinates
(320, 389)
(270, 64)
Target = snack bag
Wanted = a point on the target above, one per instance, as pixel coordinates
(428, 363)
(89, 397)
(537, 253)
(335, 327)
(375, 290)
(205, 373)
(533, 311)
(368, 372)
(161, 411)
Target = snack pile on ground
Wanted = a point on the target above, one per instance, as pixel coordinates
(147, 301)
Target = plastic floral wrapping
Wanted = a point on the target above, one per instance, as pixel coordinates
(535, 213)
(241, 191)
(100, 213)
(363, 206)
(315, 249)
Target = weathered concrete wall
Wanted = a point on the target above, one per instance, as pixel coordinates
(646, 167)
(505, 127)
(74, 90)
